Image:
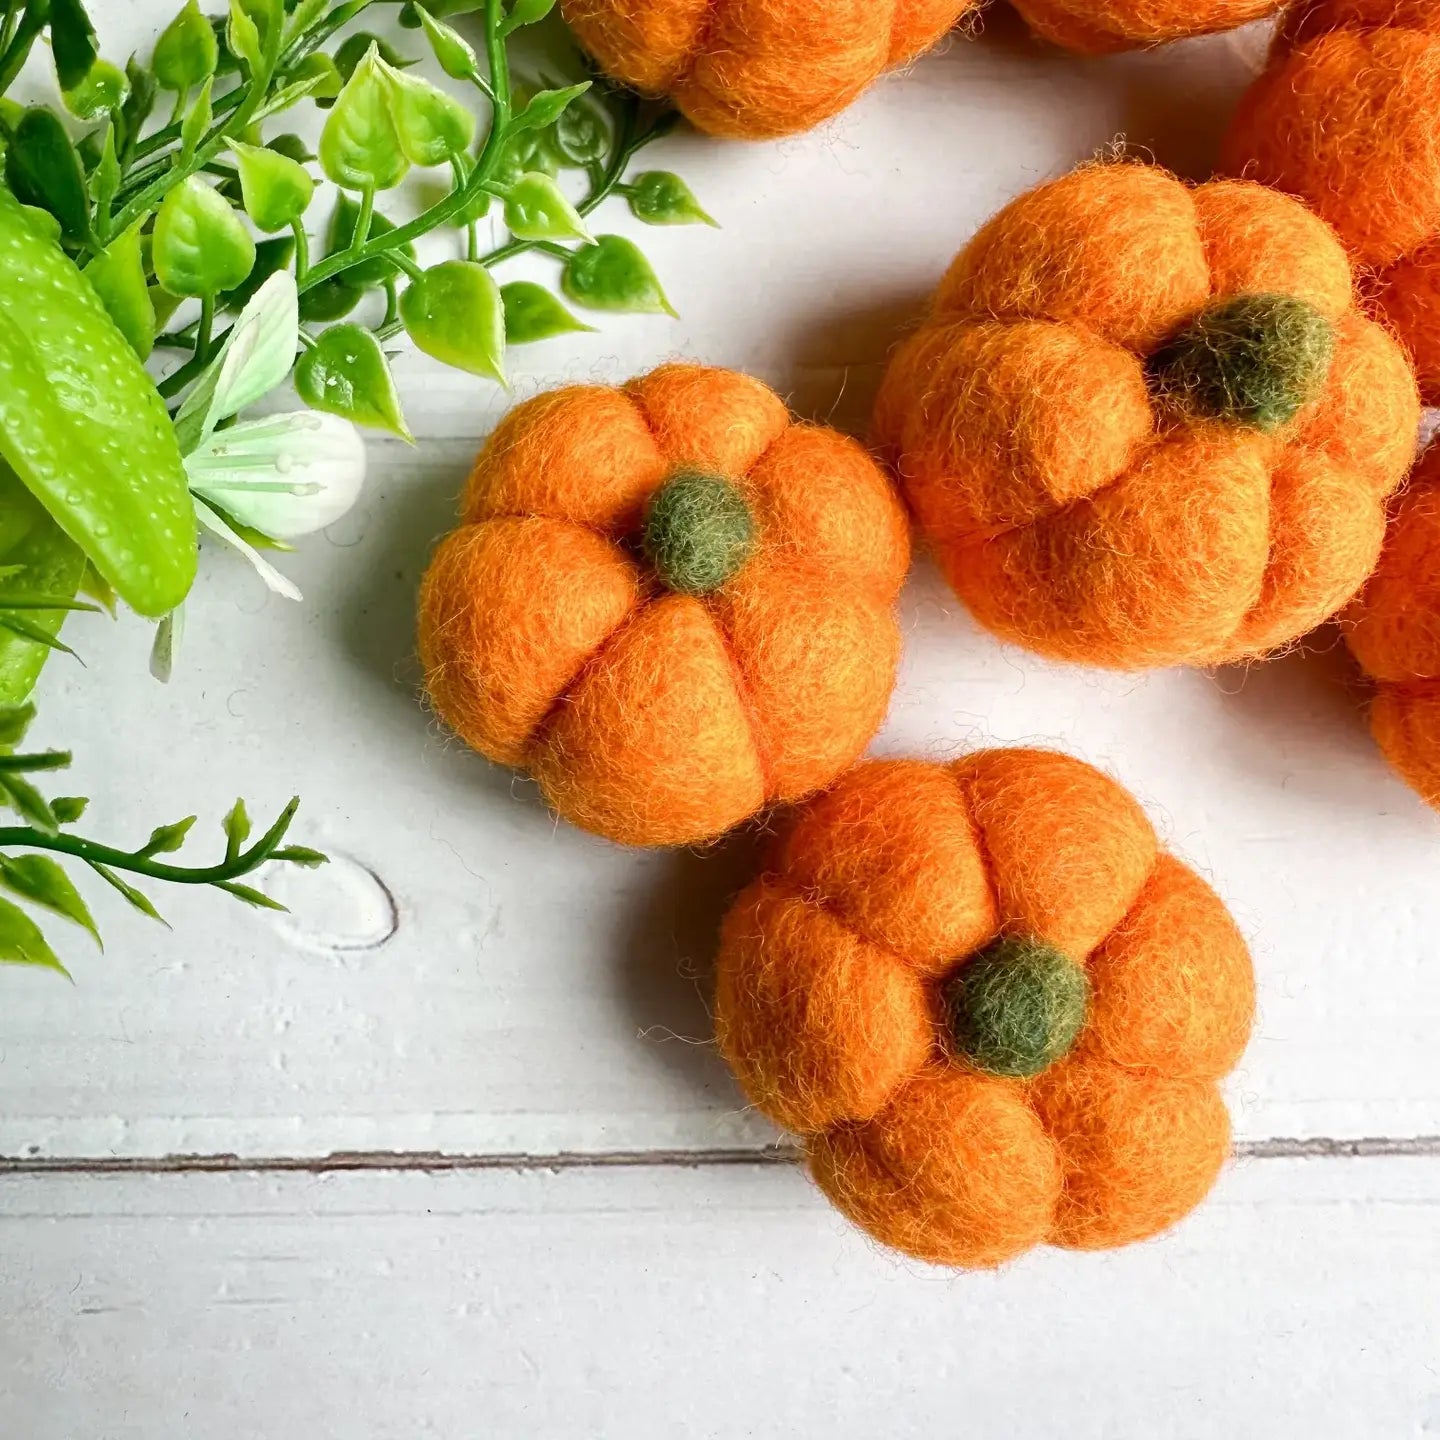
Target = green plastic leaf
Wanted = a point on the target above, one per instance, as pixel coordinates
(15, 722)
(359, 45)
(22, 796)
(322, 76)
(136, 110)
(22, 943)
(547, 107)
(200, 246)
(292, 147)
(271, 256)
(536, 209)
(42, 557)
(197, 122)
(346, 373)
(301, 855)
(454, 313)
(359, 146)
(242, 36)
(525, 12)
(532, 313)
(166, 646)
(581, 133)
(186, 52)
(294, 93)
(532, 152)
(137, 898)
(331, 299)
(166, 839)
(237, 829)
(103, 89)
(613, 274)
(341, 236)
(118, 276)
(84, 428)
(659, 198)
(43, 170)
(432, 127)
(42, 881)
(303, 16)
(276, 190)
(456, 56)
(72, 39)
(106, 180)
(67, 809)
(251, 896)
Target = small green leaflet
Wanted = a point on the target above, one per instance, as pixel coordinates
(137, 898)
(532, 313)
(43, 881)
(613, 274)
(21, 942)
(197, 122)
(525, 12)
(346, 373)
(237, 829)
(536, 209)
(454, 313)
(659, 198)
(547, 107)
(43, 170)
(72, 39)
(166, 839)
(30, 803)
(186, 52)
(15, 720)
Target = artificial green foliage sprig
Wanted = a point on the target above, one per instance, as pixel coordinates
(33, 876)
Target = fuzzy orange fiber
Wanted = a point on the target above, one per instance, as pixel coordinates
(1347, 116)
(1099, 27)
(1394, 632)
(829, 1009)
(650, 716)
(756, 69)
(1082, 513)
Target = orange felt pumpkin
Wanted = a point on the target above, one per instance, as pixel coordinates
(1394, 632)
(993, 1009)
(669, 602)
(756, 69)
(1099, 27)
(1346, 116)
(1145, 424)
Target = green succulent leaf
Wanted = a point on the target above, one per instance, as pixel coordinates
(23, 943)
(43, 170)
(346, 373)
(242, 36)
(532, 313)
(613, 274)
(660, 198)
(581, 133)
(432, 127)
(118, 277)
(454, 313)
(103, 90)
(276, 190)
(547, 107)
(187, 51)
(536, 209)
(359, 147)
(42, 881)
(200, 246)
(456, 56)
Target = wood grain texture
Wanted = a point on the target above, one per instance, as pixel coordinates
(677, 1302)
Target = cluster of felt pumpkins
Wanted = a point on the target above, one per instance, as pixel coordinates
(1143, 424)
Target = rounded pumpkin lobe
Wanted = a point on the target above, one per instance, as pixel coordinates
(699, 532)
(1017, 1007)
(1256, 360)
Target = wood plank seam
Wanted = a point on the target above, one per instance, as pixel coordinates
(1278, 1148)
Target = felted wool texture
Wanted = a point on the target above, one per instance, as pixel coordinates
(1394, 632)
(1095, 449)
(1101, 27)
(836, 990)
(1347, 116)
(758, 69)
(670, 603)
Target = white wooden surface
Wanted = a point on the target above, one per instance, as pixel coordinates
(471, 979)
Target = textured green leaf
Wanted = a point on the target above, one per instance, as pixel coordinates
(581, 133)
(454, 313)
(536, 209)
(101, 90)
(72, 39)
(532, 313)
(200, 245)
(659, 198)
(118, 276)
(359, 146)
(166, 839)
(547, 107)
(346, 373)
(43, 881)
(197, 122)
(186, 52)
(432, 127)
(613, 274)
(242, 36)
(276, 190)
(43, 170)
(301, 855)
(22, 943)
(68, 809)
(456, 56)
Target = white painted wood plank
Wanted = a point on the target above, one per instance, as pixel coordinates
(504, 1013)
(711, 1302)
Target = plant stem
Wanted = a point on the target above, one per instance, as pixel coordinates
(302, 249)
(207, 324)
(27, 838)
(363, 219)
